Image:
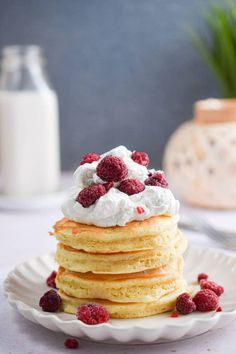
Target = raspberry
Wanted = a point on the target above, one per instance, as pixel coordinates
(140, 157)
(206, 284)
(51, 280)
(112, 169)
(92, 314)
(71, 343)
(185, 304)
(206, 300)
(89, 158)
(157, 180)
(202, 276)
(131, 186)
(219, 309)
(50, 301)
(140, 210)
(89, 195)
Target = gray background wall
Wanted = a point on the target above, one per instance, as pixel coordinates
(125, 70)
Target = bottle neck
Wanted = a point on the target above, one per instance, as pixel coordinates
(22, 68)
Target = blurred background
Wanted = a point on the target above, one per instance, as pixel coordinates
(125, 71)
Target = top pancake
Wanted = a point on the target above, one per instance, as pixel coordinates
(137, 235)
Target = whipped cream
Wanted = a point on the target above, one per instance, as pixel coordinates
(116, 207)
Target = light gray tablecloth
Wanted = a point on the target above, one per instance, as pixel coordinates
(24, 235)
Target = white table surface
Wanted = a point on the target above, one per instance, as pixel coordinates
(25, 235)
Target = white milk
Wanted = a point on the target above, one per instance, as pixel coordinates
(29, 142)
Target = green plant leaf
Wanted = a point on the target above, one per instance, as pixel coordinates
(218, 49)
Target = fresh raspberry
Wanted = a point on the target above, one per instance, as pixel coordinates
(157, 179)
(174, 314)
(50, 301)
(131, 186)
(71, 343)
(112, 169)
(51, 280)
(202, 276)
(140, 157)
(89, 158)
(92, 314)
(89, 195)
(206, 300)
(206, 284)
(185, 304)
(219, 309)
(140, 210)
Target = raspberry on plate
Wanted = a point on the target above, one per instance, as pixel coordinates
(50, 301)
(112, 169)
(140, 157)
(202, 276)
(206, 300)
(206, 284)
(71, 343)
(51, 280)
(131, 186)
(89, 158)
(185, 304)
(157, 179)
(92, 314)
(89, 195)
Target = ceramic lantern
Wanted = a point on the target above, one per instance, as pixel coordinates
(200, 157)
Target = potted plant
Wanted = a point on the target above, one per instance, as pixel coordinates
(200, 157)
(218, 47)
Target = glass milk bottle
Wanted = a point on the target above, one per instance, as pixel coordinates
(29, 132)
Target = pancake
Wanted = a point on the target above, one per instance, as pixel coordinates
(122, 262)
(148, 234)
(125, 310)
(146, 286)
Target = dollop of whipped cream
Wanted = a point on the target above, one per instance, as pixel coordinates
(116, 208)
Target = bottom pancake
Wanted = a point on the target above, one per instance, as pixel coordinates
(125, 310)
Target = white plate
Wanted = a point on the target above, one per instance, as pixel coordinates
(26, 284)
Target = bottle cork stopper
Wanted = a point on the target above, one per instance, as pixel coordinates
(214, 110)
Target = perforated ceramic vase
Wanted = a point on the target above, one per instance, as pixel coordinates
(200, 157)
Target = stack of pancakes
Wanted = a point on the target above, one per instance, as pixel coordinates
(134, 271)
